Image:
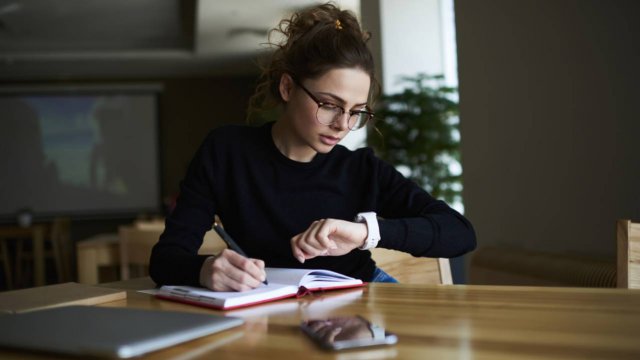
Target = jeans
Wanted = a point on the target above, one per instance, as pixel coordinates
(380, 276)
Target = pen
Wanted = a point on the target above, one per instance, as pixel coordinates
(231, 243)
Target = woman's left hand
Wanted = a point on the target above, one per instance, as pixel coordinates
(328, 237)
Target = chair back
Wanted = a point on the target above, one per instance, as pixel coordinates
(628, 274)
(61, 244)
(136, 242)
(408, 269)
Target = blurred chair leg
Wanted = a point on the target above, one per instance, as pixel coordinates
(61, 242)
(57, 259)
(88, 272)
(66, 258)
(19, 256)
(39, 276)
(8, 275)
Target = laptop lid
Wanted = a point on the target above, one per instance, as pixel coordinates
(106, 332)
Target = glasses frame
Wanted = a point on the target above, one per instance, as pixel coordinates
(343, 111)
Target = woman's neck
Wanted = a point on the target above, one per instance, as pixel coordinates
(289, 144)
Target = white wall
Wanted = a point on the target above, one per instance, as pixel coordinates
(550, 119)
(407, 40)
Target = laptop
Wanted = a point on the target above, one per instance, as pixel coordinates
(106, 332)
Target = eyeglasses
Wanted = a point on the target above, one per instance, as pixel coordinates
(329, 113)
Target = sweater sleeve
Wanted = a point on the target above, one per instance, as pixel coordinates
(416, 223)
(174, 259)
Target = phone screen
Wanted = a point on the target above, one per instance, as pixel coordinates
(347, 332)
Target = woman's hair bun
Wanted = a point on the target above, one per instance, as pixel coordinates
(310, 43)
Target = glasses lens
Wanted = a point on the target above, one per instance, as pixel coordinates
(358, 120)
(327, 114)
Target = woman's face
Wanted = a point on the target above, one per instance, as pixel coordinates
(345, 87)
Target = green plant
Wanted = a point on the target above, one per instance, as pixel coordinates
(416, 130)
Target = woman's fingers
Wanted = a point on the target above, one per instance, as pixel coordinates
(233, 272)
(310, 237)
(315, 241)
(295, 249)
(243, 272)
(328, 227)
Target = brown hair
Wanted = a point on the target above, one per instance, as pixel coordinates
(315, 40)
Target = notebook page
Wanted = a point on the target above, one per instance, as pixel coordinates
(328, 279)
(310, 278)
(286, 276)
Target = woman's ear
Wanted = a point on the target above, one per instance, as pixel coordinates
(285, 87)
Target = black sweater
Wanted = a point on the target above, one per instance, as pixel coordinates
(264, 198)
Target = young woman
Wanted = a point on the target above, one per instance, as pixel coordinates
(287, 192)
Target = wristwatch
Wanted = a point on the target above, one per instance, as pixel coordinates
(377, 332)
(373, 233)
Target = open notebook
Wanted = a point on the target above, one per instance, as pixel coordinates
(283, 283)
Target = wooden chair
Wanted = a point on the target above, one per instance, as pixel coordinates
(97, 253)
(408, 269)
(136, 242)
(628, 234)
(135, 249)
(59, 238)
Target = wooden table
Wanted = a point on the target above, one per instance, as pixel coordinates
(432, 322)
(35, 232)
(435, 322)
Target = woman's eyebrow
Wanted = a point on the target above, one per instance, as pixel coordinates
(339, 99)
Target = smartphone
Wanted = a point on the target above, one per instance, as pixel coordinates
(347, 332)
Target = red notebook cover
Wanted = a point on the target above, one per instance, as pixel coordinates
(283, 283)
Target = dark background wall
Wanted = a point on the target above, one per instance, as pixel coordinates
(550, 121)
(188, 109)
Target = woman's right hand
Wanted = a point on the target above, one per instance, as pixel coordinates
(230, 271)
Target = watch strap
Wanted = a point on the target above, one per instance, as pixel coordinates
(373, 229)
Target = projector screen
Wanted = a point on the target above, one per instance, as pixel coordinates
(78, 153)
